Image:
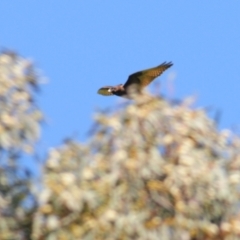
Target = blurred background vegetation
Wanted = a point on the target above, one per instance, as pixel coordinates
(150, 170)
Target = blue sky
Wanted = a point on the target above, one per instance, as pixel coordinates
(83, 45)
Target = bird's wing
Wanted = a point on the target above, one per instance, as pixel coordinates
(105, 91)
(145, 77)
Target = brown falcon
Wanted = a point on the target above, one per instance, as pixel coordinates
(139, 79)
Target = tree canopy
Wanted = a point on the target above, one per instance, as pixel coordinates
(150, 170)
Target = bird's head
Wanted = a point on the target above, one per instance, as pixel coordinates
(117, 88)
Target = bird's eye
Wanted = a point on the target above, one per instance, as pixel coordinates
(109, 90)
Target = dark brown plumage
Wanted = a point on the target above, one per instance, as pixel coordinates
(139, 79)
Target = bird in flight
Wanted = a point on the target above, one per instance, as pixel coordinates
(139, 79)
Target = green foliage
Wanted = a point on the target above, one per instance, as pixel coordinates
(19, 129)
(150, 170)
